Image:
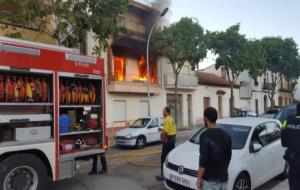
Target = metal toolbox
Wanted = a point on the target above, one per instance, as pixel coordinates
(32, 133)
(21, 118)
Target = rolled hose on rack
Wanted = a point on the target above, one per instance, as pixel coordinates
(131, 156)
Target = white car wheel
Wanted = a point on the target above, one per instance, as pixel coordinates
(242, 182)
(140, 142)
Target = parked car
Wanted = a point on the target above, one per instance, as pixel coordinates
(256, 155)
(271, 112)
(140, 132)
(285, 113)
(246, 113)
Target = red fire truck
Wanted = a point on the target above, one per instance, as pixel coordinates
(52, 113)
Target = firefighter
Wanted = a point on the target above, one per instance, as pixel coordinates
(290, 138)
(94, 165)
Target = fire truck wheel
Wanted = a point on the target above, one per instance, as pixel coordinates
(23, 171)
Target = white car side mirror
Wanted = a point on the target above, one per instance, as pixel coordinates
(256, 147)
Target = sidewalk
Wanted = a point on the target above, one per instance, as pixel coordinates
(96, 182)
(282, 186)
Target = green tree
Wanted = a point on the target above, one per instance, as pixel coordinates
(231, 47)
(73, 19)
(76, 18)
(24, 14)
(282, 61)
(181, 42)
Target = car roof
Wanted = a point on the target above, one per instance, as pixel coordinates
(150, 117)
(245, 121)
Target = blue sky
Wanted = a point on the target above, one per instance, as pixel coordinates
(258, 18)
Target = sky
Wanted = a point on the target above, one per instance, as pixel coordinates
(257, 18)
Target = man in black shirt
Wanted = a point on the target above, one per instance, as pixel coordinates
(215, 154)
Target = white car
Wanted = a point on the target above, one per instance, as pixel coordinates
(140, 132)
(256, 155)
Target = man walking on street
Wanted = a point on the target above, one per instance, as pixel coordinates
(168, 137)
(290, 138)
(215, 154)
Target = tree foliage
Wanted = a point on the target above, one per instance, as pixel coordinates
(181, 42)
(73, 19)
(231, 47)
(282, 60)
(24, 14)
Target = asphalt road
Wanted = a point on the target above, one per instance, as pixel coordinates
(123, 175)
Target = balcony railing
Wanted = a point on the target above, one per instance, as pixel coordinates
(268, 86)
(185, 81)
(286, 87)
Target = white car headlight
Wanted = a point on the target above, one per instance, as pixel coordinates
(128, 136)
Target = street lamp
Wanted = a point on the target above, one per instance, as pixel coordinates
(163, 13)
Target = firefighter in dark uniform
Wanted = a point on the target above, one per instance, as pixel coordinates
(290, 138)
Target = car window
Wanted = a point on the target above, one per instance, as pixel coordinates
(238, 134)
(154, 123)
(140, 123)
(161, 121)
(259, 135)
(272, 132)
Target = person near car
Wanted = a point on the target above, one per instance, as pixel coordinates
(215, 154)
(168, 135)
(290, 138)
(103, 163)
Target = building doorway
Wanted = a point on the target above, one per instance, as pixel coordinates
(256, 106)
(220, 106)
(265, 103)
(206, 102)
(190, 111)
(171, 103)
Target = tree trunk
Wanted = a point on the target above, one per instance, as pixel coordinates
(231, 98)
(176, 95)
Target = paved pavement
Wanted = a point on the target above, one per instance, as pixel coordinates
(124, 176)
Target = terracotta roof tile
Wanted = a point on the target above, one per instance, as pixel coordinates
(213, 80)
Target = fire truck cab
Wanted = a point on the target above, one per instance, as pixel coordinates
(52, 112)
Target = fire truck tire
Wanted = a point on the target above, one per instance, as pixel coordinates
(23, 171)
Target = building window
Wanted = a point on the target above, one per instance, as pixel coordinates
(280, 101)
(119, 68)
(119, 110)
(142, 69)
(256, 82)
(206, 102)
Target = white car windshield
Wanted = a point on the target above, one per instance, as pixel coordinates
(140, 123)
(238, 134)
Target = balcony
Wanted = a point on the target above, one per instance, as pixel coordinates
(185, 81)
(136, 87)
(286, 88)
(267, 86)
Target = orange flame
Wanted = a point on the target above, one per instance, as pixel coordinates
(119, 68)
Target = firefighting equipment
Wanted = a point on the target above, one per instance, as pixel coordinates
(92, 94)
(62, 93)
(44, 91)
(8, 90)
(2, 89)
(67, 146)
(22, 90)
(29, 89)
(74, 93)
(80, 143)
(16, 87)
(38, 90)
(68, 93)
(80, 94)
(92, 123)
(86, 95)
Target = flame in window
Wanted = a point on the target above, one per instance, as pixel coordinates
(142, 69)
(119, 68)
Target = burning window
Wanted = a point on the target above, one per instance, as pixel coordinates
(119, 68)
(142, 69)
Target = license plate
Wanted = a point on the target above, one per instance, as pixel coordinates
(180, 180)
(120, 141)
